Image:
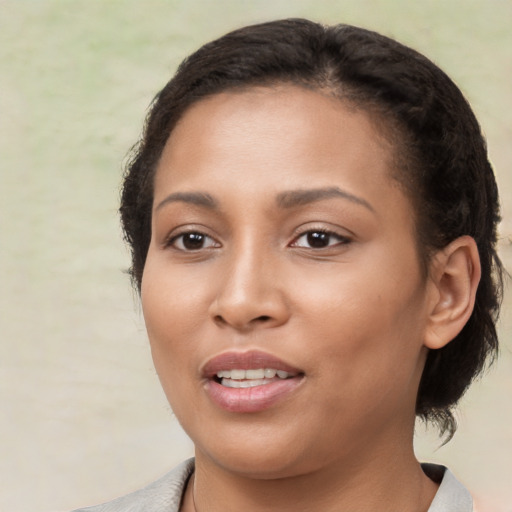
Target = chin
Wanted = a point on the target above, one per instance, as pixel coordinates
(259, 454)
(259, 464)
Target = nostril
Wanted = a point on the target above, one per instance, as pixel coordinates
(242, 323)
(218, 319)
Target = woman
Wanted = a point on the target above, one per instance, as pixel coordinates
(312, 218)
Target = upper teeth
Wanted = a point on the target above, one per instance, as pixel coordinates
(261, 373)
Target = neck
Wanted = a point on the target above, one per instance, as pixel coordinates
(388, 482)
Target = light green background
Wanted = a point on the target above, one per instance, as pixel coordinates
(83, 418)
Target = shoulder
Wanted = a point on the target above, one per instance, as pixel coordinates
(164, 495)
(451, 496)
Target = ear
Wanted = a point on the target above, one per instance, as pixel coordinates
(454, 274)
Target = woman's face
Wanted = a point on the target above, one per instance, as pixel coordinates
(280, 242)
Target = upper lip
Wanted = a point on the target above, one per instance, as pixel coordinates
(249, 360)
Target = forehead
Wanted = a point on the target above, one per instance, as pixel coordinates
(289, 130)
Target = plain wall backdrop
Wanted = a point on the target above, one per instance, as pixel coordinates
(83, 418)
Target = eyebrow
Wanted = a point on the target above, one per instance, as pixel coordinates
(288, 199)
(197, 198)
(300, 197)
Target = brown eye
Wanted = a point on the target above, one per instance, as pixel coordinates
(192, 241)
(316, 239)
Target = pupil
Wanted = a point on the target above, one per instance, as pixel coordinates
(318, 239)
(193, 241)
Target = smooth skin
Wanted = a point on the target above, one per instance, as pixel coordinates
(277, 227)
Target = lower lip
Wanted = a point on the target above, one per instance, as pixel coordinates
(255, 399)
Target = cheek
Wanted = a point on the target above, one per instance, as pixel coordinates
(173, 300)
(171, 314)
(173, 308)
(368, 319)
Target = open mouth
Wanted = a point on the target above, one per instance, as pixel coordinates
(248, 382)
(238, 378)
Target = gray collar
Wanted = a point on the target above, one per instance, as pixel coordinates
(451, 496)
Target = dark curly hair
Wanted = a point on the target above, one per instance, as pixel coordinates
(440, 155)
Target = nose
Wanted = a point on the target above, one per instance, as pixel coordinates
(251, 294)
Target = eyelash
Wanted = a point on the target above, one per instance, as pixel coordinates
(202, 237)
(341, 240)
(172, 241)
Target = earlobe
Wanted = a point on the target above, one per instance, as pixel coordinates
(455, 274)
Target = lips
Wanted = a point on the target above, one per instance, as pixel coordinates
(252, 381)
